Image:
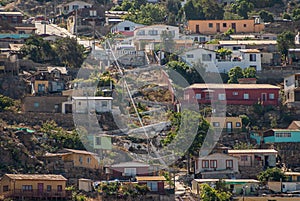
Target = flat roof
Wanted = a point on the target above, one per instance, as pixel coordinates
(36, 177)
(11, 13)
(250, 50)
(131, 164)
(252, 151)
(232, 86)
(151, 178)
(80, 151)
(292, 173)
(91, 98)
(247, 42)
(228, 180)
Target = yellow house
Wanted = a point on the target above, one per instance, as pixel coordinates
(41, 86)
(221, 26)
(227, 123)
(33, 186)
(78, 158)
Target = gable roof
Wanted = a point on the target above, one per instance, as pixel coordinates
(48, 177)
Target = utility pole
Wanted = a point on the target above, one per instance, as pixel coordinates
(76, 23)
(45, 24)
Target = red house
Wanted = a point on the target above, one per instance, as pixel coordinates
(156, 184)
(232, 94)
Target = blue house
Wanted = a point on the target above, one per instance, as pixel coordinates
(277, 136)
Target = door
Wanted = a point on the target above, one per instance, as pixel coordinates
(263, 96)
(40, 188)
(218, 27)
(233, 26)
(197, 28)
(229, 126)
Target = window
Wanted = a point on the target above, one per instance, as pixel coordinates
(271, 96)
(229, 163)
(206, 57)
(27, 187)
(210, 25)
(36, 104)
(75, 7)
(104, 104)
(216, 124)
(205, 164)
(79, 103)
(235, 93)
(236, 48)
(189, 56)
(213, 164)
(153, 32)
(49, 187)
(244, 158)
(98, 141)
(126, 28)
(59, 187)
(41, 88)
(130, 171)
(284, 134)
(224, 25)
(202, 39)
(80, 159)
(252, 57)
(198, 96)
(88, 160)
(141, 33)
(5, 188)
(238, 124)
(222, 96)
(152, 186)
(246, 96)
(245, 25)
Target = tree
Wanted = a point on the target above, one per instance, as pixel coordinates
(271, 174)
(173, 8)
(286, 16)
(296, 14)
(285, 41)
(167, 41)
(224, 53)
(210, 194)
(5, 102)
(242, 8)
(234, 74)
(249, 72)
(193, 11)
(266, 16)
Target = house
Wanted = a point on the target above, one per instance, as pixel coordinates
(294, 125)
(211, 27)
(34, 186)
(155, 183)
(15, 20)
(290, 185)
(11, 17)
(43, 104)
(85, 185)
(255, 157)
(228, 124)
(291, 89)
(72, 158)
(232, 94)
(217, 166)
(237, 186)
(128, 170)
(85, 104)
(65, 9)
(126, 28)
(213, 62)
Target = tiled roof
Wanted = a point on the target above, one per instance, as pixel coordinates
(36, 177)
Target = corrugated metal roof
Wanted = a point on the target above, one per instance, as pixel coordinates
(252, 151)
(228, 180)
(232, 86)
(151, 178)
(130, 164)
(36, 177)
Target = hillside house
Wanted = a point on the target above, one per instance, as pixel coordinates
(232, 94)
(72, 158)
(67, 8)
(43, 104)
(227, 124)
(291, 89)
(34, 186)
(212, 27)
(216, 166)
(255, 157)
(236, 186)
(291, 185)
(15, 20)
(213, 62)
(156, 184)
(126, 28)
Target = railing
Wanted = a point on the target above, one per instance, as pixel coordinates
(38, 193)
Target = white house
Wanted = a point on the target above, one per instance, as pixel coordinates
(216, 166)
(213, 63)
(126, 27)
(85, 104)
(74, 5)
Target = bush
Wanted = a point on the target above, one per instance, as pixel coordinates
(5, 102)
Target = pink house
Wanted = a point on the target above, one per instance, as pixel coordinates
(232, 94)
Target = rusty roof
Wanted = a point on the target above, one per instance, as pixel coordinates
(47, 177)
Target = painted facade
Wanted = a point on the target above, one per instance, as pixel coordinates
(126, 28)
(74, 5)
(155, 183)
(228, 124)
(221, 26)
(291, 88)
(281, 135)
(94, 104)
(232, 94)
